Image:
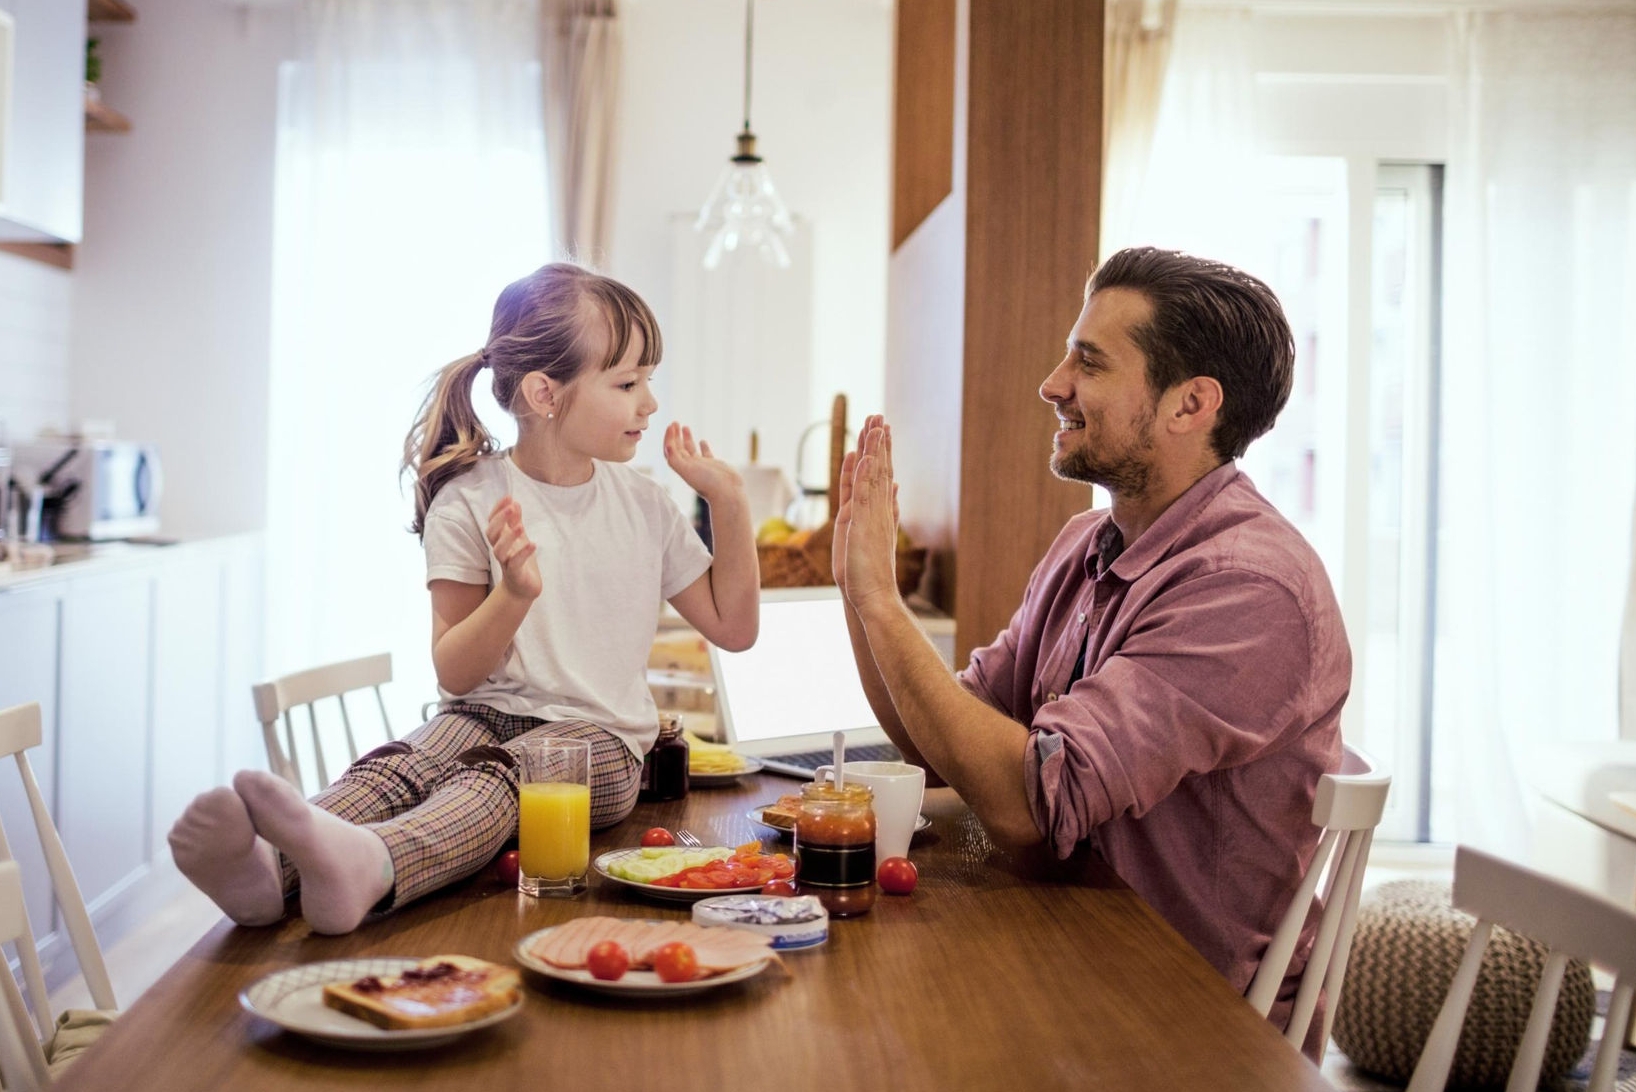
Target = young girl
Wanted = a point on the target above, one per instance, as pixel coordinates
(546, 565)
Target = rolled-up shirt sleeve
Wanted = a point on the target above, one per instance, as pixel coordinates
(1211, 675)
(991, 672)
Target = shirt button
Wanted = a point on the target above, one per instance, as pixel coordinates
(1081, 616)
(1050, 697)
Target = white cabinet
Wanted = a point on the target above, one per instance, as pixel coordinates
(29, 628)
(42, 143)
(142, 666)
(103, 729)
(188, 668)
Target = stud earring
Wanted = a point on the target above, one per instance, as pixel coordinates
(550, 417)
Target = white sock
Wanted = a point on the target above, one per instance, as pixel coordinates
(345, 869)
(216, 847)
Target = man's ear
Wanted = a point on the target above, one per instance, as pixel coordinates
(1195, 404)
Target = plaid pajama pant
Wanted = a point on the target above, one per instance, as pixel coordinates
(444, 797)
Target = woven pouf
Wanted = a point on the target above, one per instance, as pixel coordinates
(1408, 944)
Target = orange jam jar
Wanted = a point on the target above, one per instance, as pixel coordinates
(835, 847)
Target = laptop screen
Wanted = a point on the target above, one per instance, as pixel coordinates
(799, 679)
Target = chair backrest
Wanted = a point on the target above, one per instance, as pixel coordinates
(1348, 807)
(20, 731)
(22, 1062)
(1573, 923)
(277, 698)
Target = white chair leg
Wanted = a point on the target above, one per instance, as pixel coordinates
(1432, 1071)
(1607, 1051)
(1531, 1051)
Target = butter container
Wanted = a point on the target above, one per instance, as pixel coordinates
(792, 923)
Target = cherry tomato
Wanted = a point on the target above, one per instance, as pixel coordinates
(505, 868)
(778, 887)
(897, 875)
(607, 960)
(676, 962)
(658, 836)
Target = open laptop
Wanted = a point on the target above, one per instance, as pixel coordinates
(783, 699)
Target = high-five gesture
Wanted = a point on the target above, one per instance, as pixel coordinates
(866, 521)
(705, 474)
(514, 550)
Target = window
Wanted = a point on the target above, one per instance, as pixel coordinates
(1351, 253)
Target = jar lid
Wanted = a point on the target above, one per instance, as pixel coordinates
(825, 792)
(670, 725)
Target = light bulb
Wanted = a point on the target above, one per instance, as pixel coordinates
(744, 211)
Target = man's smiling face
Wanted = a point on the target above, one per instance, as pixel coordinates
(1105, 408)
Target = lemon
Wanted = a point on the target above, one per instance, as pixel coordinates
(774, 531)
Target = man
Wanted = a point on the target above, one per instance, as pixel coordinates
(1170, 689)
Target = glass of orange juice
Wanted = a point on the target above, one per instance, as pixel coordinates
(553, 815)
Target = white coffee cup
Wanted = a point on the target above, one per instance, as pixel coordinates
(898, 788)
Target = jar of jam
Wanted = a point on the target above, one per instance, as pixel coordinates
(664, 770)
(835, 847)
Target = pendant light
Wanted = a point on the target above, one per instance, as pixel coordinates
(744, 211)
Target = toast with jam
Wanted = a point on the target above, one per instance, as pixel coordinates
(443, 991)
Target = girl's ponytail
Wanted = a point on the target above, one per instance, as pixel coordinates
(447, 437)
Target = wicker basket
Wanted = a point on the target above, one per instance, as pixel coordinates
(806, 560)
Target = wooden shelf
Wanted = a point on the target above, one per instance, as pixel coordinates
(111, 11)
(102, 118)
(60, 255)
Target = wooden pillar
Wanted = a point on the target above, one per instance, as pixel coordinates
(1004, 100)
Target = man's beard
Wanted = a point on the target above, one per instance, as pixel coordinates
(1125, 473)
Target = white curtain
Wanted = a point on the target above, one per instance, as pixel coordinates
(1199, 192)
(581, 52)
(1135, 56)
(1539, 402)
(410, 189)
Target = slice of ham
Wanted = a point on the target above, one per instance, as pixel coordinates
(719, 949)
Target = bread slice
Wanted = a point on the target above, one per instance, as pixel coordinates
(442, 991)
(783, 813)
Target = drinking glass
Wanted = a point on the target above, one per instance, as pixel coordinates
(553, 816)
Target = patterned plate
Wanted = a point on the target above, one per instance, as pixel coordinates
(294, 1000)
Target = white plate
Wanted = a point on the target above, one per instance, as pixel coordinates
(754, 815)
(294, 1000)
(714, 780)
(634, 983)
(669, 894)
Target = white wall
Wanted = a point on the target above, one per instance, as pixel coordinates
(172, 284)
(822, 112)
(35, 312)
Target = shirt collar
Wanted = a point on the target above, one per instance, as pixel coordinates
(1155, 543)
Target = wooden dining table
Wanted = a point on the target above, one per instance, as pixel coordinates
(1002, 970)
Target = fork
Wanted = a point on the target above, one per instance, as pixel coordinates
(689, 839)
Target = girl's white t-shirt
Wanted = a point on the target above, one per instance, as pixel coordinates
(610, 552)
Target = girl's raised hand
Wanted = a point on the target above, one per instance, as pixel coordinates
(514, 550)
(705, 474)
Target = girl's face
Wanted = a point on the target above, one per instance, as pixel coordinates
(603, 413)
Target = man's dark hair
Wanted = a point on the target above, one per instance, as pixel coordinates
(1213, 320)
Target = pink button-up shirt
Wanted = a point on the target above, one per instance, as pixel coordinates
(1189, 749)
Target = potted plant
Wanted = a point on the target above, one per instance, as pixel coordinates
(93, 70)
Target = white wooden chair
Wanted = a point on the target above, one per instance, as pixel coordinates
(1573, 923)
(1348, 807)
(277, 698)
(19, 731)
(22, 1063)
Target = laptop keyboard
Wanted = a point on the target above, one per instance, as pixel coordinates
(870, 752)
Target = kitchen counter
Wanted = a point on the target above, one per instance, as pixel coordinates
(74, 559)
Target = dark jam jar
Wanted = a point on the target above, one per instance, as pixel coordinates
(664, 770)
(835, 847)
